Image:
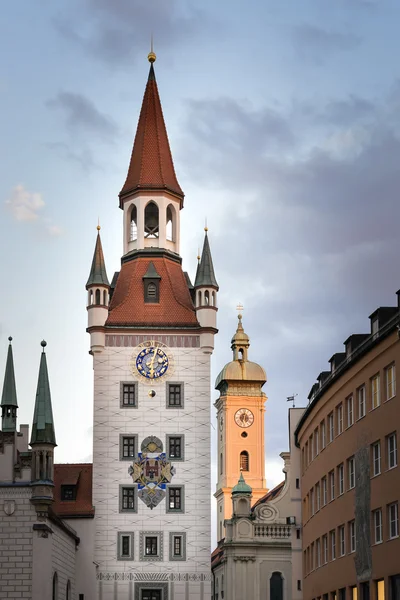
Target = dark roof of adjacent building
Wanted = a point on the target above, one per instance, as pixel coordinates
(43, 423)
(175, 307)
(151, 166)
(78, 475)
(9, 395)
(271, 495)
(217, 554)
(98, 273)
(205, 275)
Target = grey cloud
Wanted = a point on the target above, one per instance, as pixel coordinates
(118, 31)
(315, 44)
(82, 115)
(310, 237)
(83, 156)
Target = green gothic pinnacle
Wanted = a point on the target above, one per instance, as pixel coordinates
(43, 424)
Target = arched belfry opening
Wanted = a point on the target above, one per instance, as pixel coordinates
(276, 586)
(133, 224)
(244, 461)
(171, 224)
(151, 221)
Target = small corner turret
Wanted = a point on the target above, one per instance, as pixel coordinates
(205, 289)
(9, 403)
(43, 442)
(98, 288)
(241, 498)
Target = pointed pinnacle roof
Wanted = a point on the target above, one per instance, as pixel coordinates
(241, 487)
(43, 424)
(98, 273)
(151, 166)
(9, 396)
(205, 270)
(151, 272)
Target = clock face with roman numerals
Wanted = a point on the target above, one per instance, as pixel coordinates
(152, 361)
(244, 417)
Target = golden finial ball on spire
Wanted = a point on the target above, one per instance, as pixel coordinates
(151, 57)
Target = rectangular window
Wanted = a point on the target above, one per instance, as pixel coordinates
(332, 485)
(312, 504)
(390, 382)
(318, 551)
(323, 435)
(316, 442)
(351, 469)
(125, 545)
(318, 496)
(350, 412)
(352, 536)
(339, 414)
(361, 401)
(151, 545)
(393, 510)
(175, 499)
(333, 544)
(380, 590)
(311, 447)
(375, 391)
(128, 395)
(306, 455)
(128, 445)
(312, 557)
(174, 395)
(377, 524)
(341, 479)
(342, 546)
(392, 450)
(175, 447)
(376, 458)
(331, 427)
(324, 491)
(342, 594)
(127, 496)
(68, 492)
(325, 549)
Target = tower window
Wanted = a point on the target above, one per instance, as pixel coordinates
(244, 461)
(175, 446)
(151, 221)
(128, 395)
(207, 297)
(133, 224)
(170, 233)
(175, 499)
(68, 492)
(98, 301)
(175, 395)
(128, 447)
(151, 291)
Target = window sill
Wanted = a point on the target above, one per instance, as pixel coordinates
(359, 418)
(395, 537)
(375, 475)
(391, 468)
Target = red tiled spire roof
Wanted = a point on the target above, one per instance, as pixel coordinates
(175, 308)
(151, 166)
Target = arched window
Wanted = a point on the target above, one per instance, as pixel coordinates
(244, 461)
(276, 586)
(97, 296)
(133, 224)
(241, 354)
(170, 224)
(151, 220)
(207, 297)
(68, 591)
(213, 299)
(55, 586)
(105, 298)
(221, 465)
(199, 297)
(90, 297)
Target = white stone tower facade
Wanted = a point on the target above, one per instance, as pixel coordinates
(151, 359)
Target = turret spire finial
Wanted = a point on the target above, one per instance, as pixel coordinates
(98, 224)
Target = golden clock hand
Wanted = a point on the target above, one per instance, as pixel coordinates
(152, 362)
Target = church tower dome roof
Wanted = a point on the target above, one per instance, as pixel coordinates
(240, 368)
(241, 487)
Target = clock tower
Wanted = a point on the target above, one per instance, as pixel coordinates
(240, 414)
(152, 336)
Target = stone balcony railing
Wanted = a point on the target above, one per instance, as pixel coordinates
(273, 531)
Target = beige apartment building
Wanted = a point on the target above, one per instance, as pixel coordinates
(350, 479)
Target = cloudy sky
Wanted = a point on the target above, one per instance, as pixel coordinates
(283, 118)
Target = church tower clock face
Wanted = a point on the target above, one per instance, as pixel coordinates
(151, 361)
(244, 417)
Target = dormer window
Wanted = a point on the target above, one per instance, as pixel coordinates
(151, 291)
(68, 492)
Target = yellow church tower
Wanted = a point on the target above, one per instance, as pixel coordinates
(240, 413)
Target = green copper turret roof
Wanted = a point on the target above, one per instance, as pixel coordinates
(43, 424)
(98, 273)
(9, 396)
(205, 270)
(241, 487)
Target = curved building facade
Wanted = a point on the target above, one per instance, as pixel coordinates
(350, 482)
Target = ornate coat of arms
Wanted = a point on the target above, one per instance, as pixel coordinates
(151, 471)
